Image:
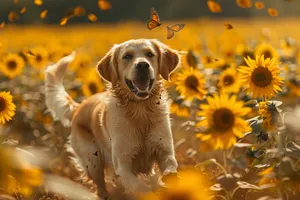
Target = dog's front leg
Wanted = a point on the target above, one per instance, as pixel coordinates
(162, 140)
(122, 154)
(167, 161)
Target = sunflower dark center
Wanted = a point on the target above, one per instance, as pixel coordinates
(261, 77)
(12, 64)
(225, 66)
(38, 58)
(247, 53)
(82, 64)
(223, 119)
(228, 54)
(2, 104)
(267, 54)
(191, 82)
(228, 80)
(208, 59)
(93, 88)
(295, 82)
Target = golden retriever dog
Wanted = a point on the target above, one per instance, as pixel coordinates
(126, 127)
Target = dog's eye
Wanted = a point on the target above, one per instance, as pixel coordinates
(127, 57)
(150, 54)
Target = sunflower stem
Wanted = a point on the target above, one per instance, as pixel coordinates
(225, 153)
(281, 145)
(233, 192)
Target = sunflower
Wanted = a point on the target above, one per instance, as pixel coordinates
(261, 77)
(229, 81)
(223, 64)
(40, 57)
(253, 155)
(54, 52)
(191, 59)
(92, 84)
(228, 54)
(268, 175)
(57, 51)
(244, 52)
(192, 185)
(269, 113)
(7, 107)
(223, 120)
(208, 61)
(12, 65)
(267, 50)
(287, 47)
(81, 61)
(27, 180)
(285, 172)
(17, 174)
(191, 84)
(179, 110)
(81, 64)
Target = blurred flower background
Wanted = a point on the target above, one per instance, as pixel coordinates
(234, 99)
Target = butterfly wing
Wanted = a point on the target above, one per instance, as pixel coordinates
(177, 27)
(152, 24)
(170, 33)
(228, 26)
(214, 6)
(172, 29)
(154, 20)
(154, 15)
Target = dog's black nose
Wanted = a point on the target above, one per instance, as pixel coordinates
(142, 66)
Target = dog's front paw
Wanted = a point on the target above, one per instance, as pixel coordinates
(169, 176)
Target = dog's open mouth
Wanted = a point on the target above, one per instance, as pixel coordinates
(142, 92)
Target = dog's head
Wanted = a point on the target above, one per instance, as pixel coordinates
(137, 64)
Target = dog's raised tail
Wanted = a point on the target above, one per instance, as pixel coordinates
(58, 101)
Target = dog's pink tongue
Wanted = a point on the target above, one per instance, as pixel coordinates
(142, 84)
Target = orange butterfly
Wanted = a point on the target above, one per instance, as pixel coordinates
(272, 12)
(228, 26)
(43, 14)
(154, 20)
(172, 29)
(259, 5)
(214, 6)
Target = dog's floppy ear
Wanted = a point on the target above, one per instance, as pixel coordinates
(107, 66)
(168, 59)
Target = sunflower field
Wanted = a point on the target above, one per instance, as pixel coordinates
(234, 104)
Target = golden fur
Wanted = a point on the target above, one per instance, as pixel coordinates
(118, 128)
